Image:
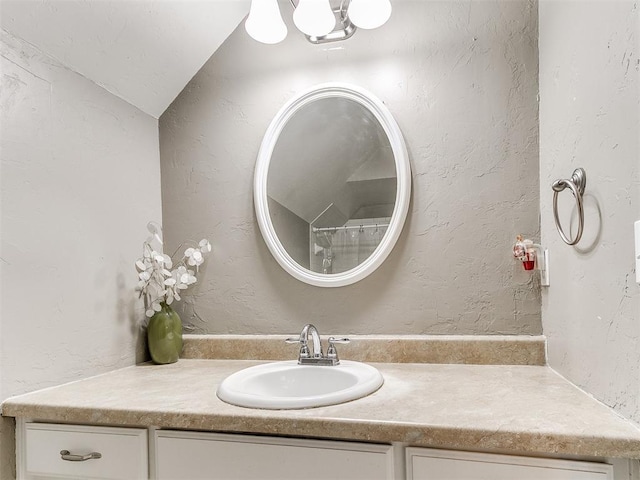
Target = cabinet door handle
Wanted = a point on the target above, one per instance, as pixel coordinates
(67, 455)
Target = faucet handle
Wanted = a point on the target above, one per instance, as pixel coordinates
(332, 353)
(304, 348)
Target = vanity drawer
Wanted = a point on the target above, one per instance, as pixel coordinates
(428, 464)
(210, 456)
(123, 451)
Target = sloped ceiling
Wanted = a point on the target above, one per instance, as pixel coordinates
(143, 51)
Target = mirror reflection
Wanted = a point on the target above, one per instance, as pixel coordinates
(331, 185)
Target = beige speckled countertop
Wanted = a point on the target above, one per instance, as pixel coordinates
(506, 408)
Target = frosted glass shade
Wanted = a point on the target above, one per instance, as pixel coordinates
(369, 14)
(264, 22)
(314, 17)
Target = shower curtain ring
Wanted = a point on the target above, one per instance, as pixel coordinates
(576, 184)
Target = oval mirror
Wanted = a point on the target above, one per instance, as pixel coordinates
(332, 185)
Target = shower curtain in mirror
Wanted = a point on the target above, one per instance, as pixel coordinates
(342, 249)
(352, 247)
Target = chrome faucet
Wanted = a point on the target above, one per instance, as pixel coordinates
(305, 357)
(315, 338)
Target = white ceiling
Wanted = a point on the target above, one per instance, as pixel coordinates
(143, 51)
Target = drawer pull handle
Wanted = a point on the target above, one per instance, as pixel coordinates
(67, 455)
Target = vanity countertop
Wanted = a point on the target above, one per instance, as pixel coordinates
(506, 408)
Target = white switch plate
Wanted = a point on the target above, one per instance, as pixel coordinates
(543, 266)
(637, 238)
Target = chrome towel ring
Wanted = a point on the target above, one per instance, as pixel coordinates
(576, 184)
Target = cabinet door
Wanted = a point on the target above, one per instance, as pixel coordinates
(189, 455)
(427, 464)
(122, 452)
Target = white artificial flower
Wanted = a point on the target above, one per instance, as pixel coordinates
(205, 246)
(170, 296)
(156, 235)
(159, 282)
(196, 259)
(192, 277)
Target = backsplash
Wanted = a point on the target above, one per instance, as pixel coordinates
(460, 79)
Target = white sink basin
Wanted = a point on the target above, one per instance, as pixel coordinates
(287, 385)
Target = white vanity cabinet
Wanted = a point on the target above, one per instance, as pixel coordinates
(191, 455)
(81, 452)
(140, 453)
(429, 464)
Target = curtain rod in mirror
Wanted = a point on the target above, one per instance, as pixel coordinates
(350, 227)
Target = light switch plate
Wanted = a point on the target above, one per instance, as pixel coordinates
(544, 271)
(637, 242)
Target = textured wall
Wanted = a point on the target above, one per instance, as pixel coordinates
(461, 80)
(80, 179)
(590, 118)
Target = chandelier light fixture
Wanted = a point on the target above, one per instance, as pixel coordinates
(319, 20)
(265, 23)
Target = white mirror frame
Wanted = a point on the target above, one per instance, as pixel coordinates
(403, 184)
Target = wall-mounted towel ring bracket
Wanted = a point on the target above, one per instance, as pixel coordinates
(576, 184)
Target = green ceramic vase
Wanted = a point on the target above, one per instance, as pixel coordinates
(164, 335)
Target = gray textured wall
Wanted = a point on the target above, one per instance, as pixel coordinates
(461, 80)
(590, 118)
(80, 179)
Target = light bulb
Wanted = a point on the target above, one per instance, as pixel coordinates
(264, 22)
(314, 17)
(369, 13)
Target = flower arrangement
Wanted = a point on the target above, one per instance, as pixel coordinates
(162, 279)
